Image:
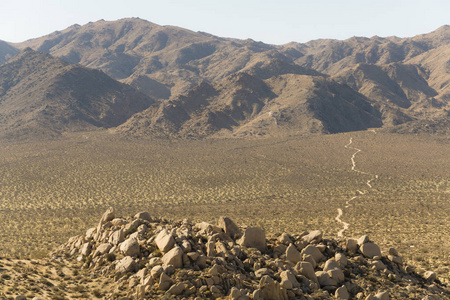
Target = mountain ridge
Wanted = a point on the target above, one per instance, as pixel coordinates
(404, 79)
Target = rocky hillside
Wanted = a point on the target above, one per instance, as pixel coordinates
(144, 257)
(405, 80)
(43, 94)
(248, 106)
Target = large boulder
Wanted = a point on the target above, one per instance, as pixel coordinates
(174, 257)
(292, 254)
(130, 247)
(313, 236)
(165, 241)
(126, 264)
(107, 216)
(306, 269)
(229, 227)
(143, 215)
(271, 289)
(370, 250)
(314, 252)
(254, 237)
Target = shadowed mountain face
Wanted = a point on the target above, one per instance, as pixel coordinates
(211, 85)
(244, 105)
(43, 94)
(6, 52)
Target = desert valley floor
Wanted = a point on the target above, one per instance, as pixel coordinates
(396, 189)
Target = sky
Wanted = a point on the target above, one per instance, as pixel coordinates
(273, 22)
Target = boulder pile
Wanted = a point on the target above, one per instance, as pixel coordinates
(150, 257)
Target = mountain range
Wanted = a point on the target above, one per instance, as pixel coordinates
(139, 78)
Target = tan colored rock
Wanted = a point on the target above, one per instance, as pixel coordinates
(337, 275)
(314, 252)
(306, 269)
(156, 271)
(176, 289)
(352, 245)
(331, 264)
(362, 240)
(325, 279)
(86, 249)
(382, 296)
(117, 237)
(284, 239)
(254, 238)
(289, 276)
(90, 232)
(313, 236)
(370, 250)
(174, 257)
(271, 289)
(164, 282)
(143, 215)
(229, 227)
(310, 259)
(378, 265)
(341, 259)
(164, 241)
(109, 215)
(211, 249)
(140, 291)
(396, 259)
(342, 293)
(292, 254)
(130, 247)
(429, 276)
(126, 264)
(103, 249)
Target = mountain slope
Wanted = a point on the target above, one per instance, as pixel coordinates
(244, 105)
(133, 50)
(40, 93)
(7, 52)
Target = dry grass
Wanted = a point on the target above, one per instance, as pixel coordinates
(55, 189)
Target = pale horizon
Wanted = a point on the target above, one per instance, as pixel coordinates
(273, 23)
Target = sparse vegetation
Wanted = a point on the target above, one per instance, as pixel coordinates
(50, 190)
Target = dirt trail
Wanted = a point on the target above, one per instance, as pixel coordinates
(345, 225)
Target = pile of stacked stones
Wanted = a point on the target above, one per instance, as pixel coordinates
(150, 257)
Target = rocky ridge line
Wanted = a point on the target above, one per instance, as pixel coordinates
(150, 257)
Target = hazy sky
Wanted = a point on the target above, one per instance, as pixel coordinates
(275, 21)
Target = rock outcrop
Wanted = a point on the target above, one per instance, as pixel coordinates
(153, 257)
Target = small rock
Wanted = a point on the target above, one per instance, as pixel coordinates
(176, 289)
(352, 245)
(393, 251)
(284, 239)
(261, 272)
(342, 293)
(362, 240)
(382, 296)
(429, 276)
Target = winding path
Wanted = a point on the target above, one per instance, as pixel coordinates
(345, 225)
